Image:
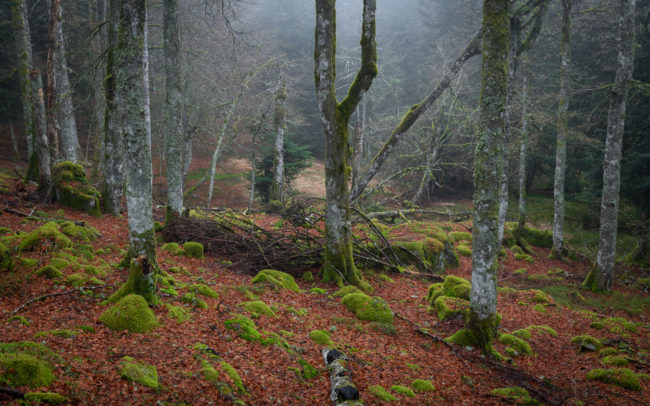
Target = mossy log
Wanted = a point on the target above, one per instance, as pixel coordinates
(342, 390)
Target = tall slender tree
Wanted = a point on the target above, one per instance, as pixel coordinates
(602, 275)
(173, 109)
(521, 219)
(24, 49)
(42, 151)
(335, 116)
(279, 125)
(562, 133)
(483, 321)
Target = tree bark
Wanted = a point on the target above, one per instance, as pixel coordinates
(130, 86)
(277, 183)
(604, 270)
(562, 133)
(52, 121)
(25, 63)
(40, 135)
(114, 164)
(173, 109)
(521, 220)
(358, 142)
(339, 263)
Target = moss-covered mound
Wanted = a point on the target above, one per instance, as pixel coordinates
(587, 342)
(452, 286)
(258, 308)
(47, 236)
(26, 364)
(193, 250)
(516, 343)
(623, 377)
(73, 190)
(244, 326)
(172, 247)
(517, 395)
(428, 254)
(144, 374)
(277, 278)
(49, 398)
(381, 393)
(6, 259)
(130, 313)
(448, 307)
(321, 337)
(48, 271)
(421, 385)
(177, 313)
(532, 236)
(346, 290)
(368, 308)
(81, 232)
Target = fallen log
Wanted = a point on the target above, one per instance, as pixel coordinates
(342, 391)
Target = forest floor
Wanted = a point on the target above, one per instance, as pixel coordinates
(89, 355)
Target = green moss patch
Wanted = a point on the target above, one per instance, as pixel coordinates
(615, 360)
(453, 286)
(404, 390)
(203, 290)
(587, 342)
(518, 344)
(173, 248)
(6, 259)
(244, 327)
(72, 188)
(63, 333)
(194, 300)
(464, 250)
(623, 377)
(368, 308)
(447, 307)
(177, 313)
(542, 329)
(20, 319)
(308, 277)
(144, 374)
(381, 393)
(47, 236)
(346, 290)
(540, 297)
(460, 235)
(258, 308)
(80, 232)
(321, 337)
(517, 395)
(24, 369)
(45, 397)
(50, 272)
(421, 385)
(277, 278)
(234, 376)
(130, 313)
(193, 250)
(525, 257)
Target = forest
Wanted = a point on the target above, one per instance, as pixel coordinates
(269, 202)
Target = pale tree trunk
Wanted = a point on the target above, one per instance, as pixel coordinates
(25, 63)
(339, 263)
(251, 195)
(482, 324)
(603, 273)
(114, 163)
(40, 136)
(130, 85)
(173, 109)
(145, 78)
(65, 110)
(277, 182)
(358, 142)
(562, 133)
(188, 134)
(53, 129)
(521, 220)
(96, 13)
(14, 143)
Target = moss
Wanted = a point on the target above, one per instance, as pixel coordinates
(435, 290)
(203, 290)
(478, 333)
(421, 385)
(539, 296)
(517, 395)
(301, 312)
(28, 262)
(623, 377)
(208, 372)
(93, 270)
(308, 277)
(45, 397)
(446, 306)
(192, 299)
(72, 188)
(587, 342)
(607, 351)
(525, 257)
(308, 370)
(50, 272)
(346, 290)
(63, 333)
(522, 333)
(277, 278)
(130, 313)
(258, 307)
(59, 263)
(173, 248)
(234, 376)
(144, 374)
(521, 271)
(6, 259)
(321, 337)
(139, 283)
(381, 393)
(517, 249)
(461, 235)
(6, 231)
(426, 252)
(23, 369)
(464, 250)
(615, 360)
(79, 232)
(86, 329)
(244, 326)
(404, 390)
(75, 280)
(519, 345)
(385, 278)
(597, 325)
(177, 313)
(368, 308)
(193, 250)
(46, 236)
(22, 320)
(455, 286)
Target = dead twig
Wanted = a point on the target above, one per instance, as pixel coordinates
(67, 292)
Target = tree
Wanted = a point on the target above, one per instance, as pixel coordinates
(483, 320)
(114, 167)
(339, 264)
(521, 219)
(602, 275)
(131, 105)
(279, 127)
(173, 109)
(562, 133)
(42, 151)
(25, 64)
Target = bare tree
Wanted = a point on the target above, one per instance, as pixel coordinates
(277, 182)
(25, 64)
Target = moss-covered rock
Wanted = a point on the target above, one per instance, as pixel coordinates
(346, 290)
(130, 313)
(404, 390)
(308, 371)
(145, 375)
(518, 344)
(258, 308)
(308, 277)
(464, 250)
(321, 337)
(73, 190)
(244, 326)
(48, 271)
(24, 369)
(623, 377)
(203, 290)
(6, 259)
(177, 313)
(82, 232)
(587, 342)
(193, 299)
(532, 236)
(277, 278)
(173, 248)
(525, 257)
(368, 308)
(381, 393)
(193, 250)
(522, 333)
(48, 236)
(460, 235)
(421, 385)
(615, 360)
(448, 307)
(539, 296)
(452, 286)
(50, 398)
(517, 395)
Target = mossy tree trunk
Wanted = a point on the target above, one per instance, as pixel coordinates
(521, 219)
(173, 109)
(131, 96)
(42, 151)
(24, 49)
(114, 163)
(279, 125)
(339, 264)
(52, 121)
(562, 133)
(604, 269)
(482, 322)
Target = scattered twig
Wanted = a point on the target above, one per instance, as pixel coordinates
(67, 292)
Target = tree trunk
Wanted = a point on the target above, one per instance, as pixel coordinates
(40, 136)
(431, 158)
(130, 86)
(277, 182)
(521, 220)
(52, 121)
(358, 142)
(14, 143)
(114, 166)
(25, 63)
(604, 270)
(95, 16)
(562, 133)
(339, 263)
(481, 327)
(173, 109)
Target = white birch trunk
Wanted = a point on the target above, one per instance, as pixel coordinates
(277, 183)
